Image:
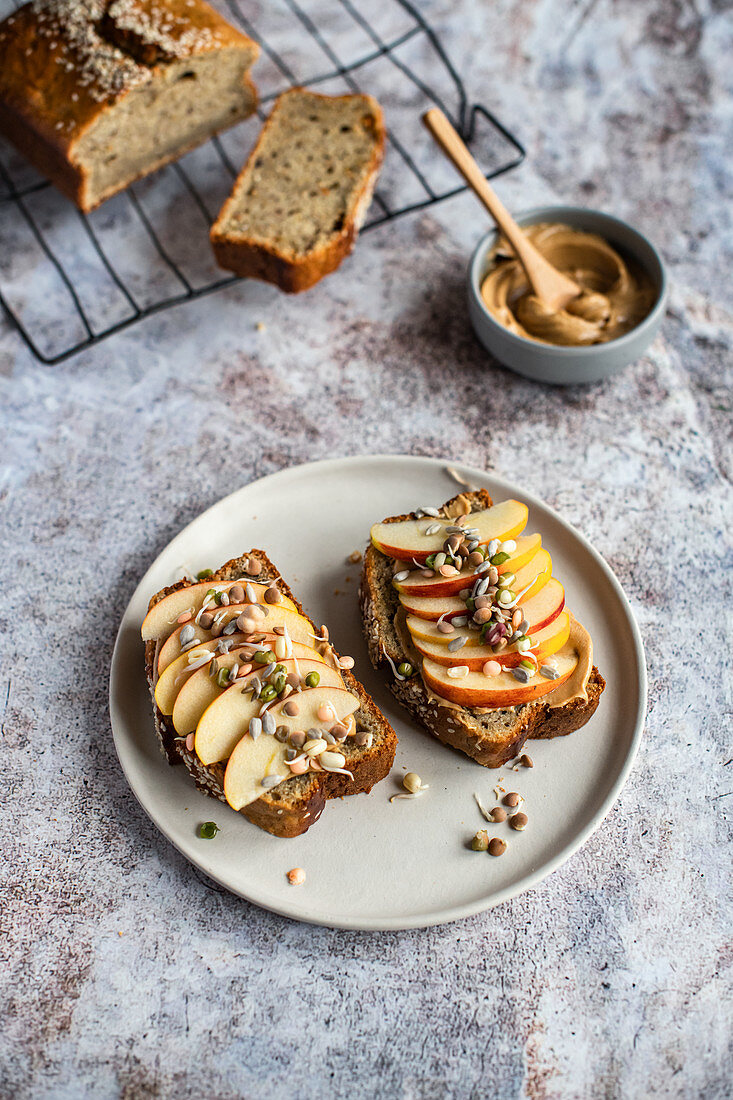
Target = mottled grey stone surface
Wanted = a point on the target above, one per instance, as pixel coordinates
(124, 972)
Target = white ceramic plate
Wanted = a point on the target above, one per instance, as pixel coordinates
(370, 863)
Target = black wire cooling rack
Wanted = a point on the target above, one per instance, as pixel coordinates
(68, 280)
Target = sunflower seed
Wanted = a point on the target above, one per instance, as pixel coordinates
(549, 673)
(187, 634)
(402, 575)
(255, 728)
(268, 723)
(456, 643)
(230, 628)
(460, 620)
(521, 674)
(432, 529)
(430, 511)
(481, 587)
(271, 781)
(483, 567)
(249, 593)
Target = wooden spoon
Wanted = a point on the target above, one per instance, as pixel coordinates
(550, 285)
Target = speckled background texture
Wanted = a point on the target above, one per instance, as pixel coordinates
(124, 972)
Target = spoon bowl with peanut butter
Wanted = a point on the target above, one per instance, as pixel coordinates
(606, 326)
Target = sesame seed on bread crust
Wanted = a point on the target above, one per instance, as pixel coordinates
(291, 808)
(491, 738)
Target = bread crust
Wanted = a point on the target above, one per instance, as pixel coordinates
(253, 259)
(278, 812)
(48, 101)
(460, 727)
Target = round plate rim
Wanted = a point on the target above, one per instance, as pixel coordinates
(450, 913)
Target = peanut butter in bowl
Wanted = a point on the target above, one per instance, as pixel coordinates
(617, 293)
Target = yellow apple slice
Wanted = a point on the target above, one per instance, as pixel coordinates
(228, 717)
(407, 539)
(531, 578)
(299, 629)
(183, 669)
(543, 643)
(417, 585)
(162, 617)
(477, 690)
(174, 675)
(253, 760)
(201, 690)
(539, 611)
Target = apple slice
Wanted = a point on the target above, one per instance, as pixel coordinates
(179, 672)
(417, 585)
(174, 674)
(202, 689)
(477, 690)
(406, 539)
(299, 629)
(528, 553)
(163, 616)
(431, 608)
(252, 761)
(228, 717)
(532, 577)
(544, 642)
(539, 611)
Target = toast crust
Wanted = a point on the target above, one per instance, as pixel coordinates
(288, 810)
(254, 259)
(489, 743)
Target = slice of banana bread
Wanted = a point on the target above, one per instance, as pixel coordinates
(491, 737)
(298, 204)
(292, 807)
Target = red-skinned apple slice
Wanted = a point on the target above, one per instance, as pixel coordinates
(202, 689)
(299, 628)
(544, 643)
(539, 611)
(162, 617)
(477, 690)
(528, 546)
(537, 570)
(252, 761)
(406, 539)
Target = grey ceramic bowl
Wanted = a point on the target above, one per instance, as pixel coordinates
(562, 365)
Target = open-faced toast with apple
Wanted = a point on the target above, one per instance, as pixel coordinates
(463, 606)
(255, 701)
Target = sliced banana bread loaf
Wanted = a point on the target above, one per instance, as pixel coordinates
(97, 93)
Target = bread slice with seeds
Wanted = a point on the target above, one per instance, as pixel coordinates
(491, 737)
(298, 204)
(97, 93)
(292, 807)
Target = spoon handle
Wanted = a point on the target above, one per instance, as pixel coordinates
(549, 284)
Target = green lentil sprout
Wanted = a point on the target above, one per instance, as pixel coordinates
(208, 830)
